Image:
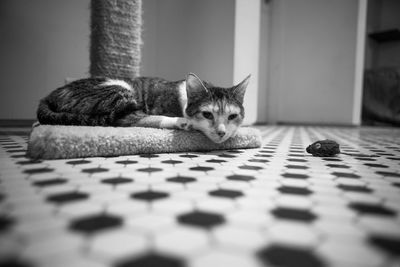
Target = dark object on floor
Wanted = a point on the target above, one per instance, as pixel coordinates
(324, 148)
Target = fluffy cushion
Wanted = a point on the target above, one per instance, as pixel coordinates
(61, 142)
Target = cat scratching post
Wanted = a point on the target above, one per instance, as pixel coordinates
(115, 38)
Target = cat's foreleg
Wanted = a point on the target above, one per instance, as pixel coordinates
(154, 121)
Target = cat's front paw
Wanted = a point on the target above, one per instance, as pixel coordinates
(184, 124)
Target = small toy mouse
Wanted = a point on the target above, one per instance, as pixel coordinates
(324, 148)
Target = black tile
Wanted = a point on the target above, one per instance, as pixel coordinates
(226, 156)
(250, 167)
(295, 190)
(38, 170)
(117, 180)
(297, 160)
(216, 161)
(298, 167)
(263, 155)
(236, 177)
(181, 179)
(226, 193)
(388, 174)
(332, 159)
(259, 160)
(365, 208)
(188, 156)
(16, 150)
(151, 260)
(282, 256)
(12, 146)
(388, 244)
(26, 162)
(377, 150)
(78, 162)
(346, 175)
(267, 151)
(373, 165)
(201, 168)
(386, 154)
(149, 195)
(14, 262)
(173, 162)
(149, 169)
(63, 198)
(126, 162)
(95, 223)
(149, 156)
(94, 170)
(5, 222)
(50, 182)
(338, 166)
(355, 188)
(201, 219)
(294, 214)
(295, 175)
(365, 159)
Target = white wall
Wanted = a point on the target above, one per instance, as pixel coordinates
(182, 36)
(313, 61)
(42, 42)
(247, 53)
(263, 92)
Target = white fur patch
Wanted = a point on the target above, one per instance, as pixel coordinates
(183, 97)
(232, 109)
(111, 82)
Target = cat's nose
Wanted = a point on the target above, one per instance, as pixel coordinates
(221, 133)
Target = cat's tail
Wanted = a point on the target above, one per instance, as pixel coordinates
(46, 115)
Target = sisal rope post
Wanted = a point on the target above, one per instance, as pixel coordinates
(115, 41)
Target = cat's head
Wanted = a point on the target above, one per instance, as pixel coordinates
(217, 112)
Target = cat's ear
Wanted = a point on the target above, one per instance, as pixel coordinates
(240, 89)
(194, 85)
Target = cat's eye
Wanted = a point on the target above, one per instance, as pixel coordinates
(232, 116)
(207, 115)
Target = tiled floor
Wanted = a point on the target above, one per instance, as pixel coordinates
(273, 206)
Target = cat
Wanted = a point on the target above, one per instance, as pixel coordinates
(190, 104)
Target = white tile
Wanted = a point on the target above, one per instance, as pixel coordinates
(53, 246)
(182, 241)
(252, 219)
(117, 244)
(297, 202)
(218, 205)
(380, 225)
(128, 208)
(150, 222)
(172, 207)
(357, 253)
(77, 209)
(239, 238)
(223, 258)
(293, 234)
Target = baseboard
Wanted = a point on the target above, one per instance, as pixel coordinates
(16, 122)
(317, 124)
